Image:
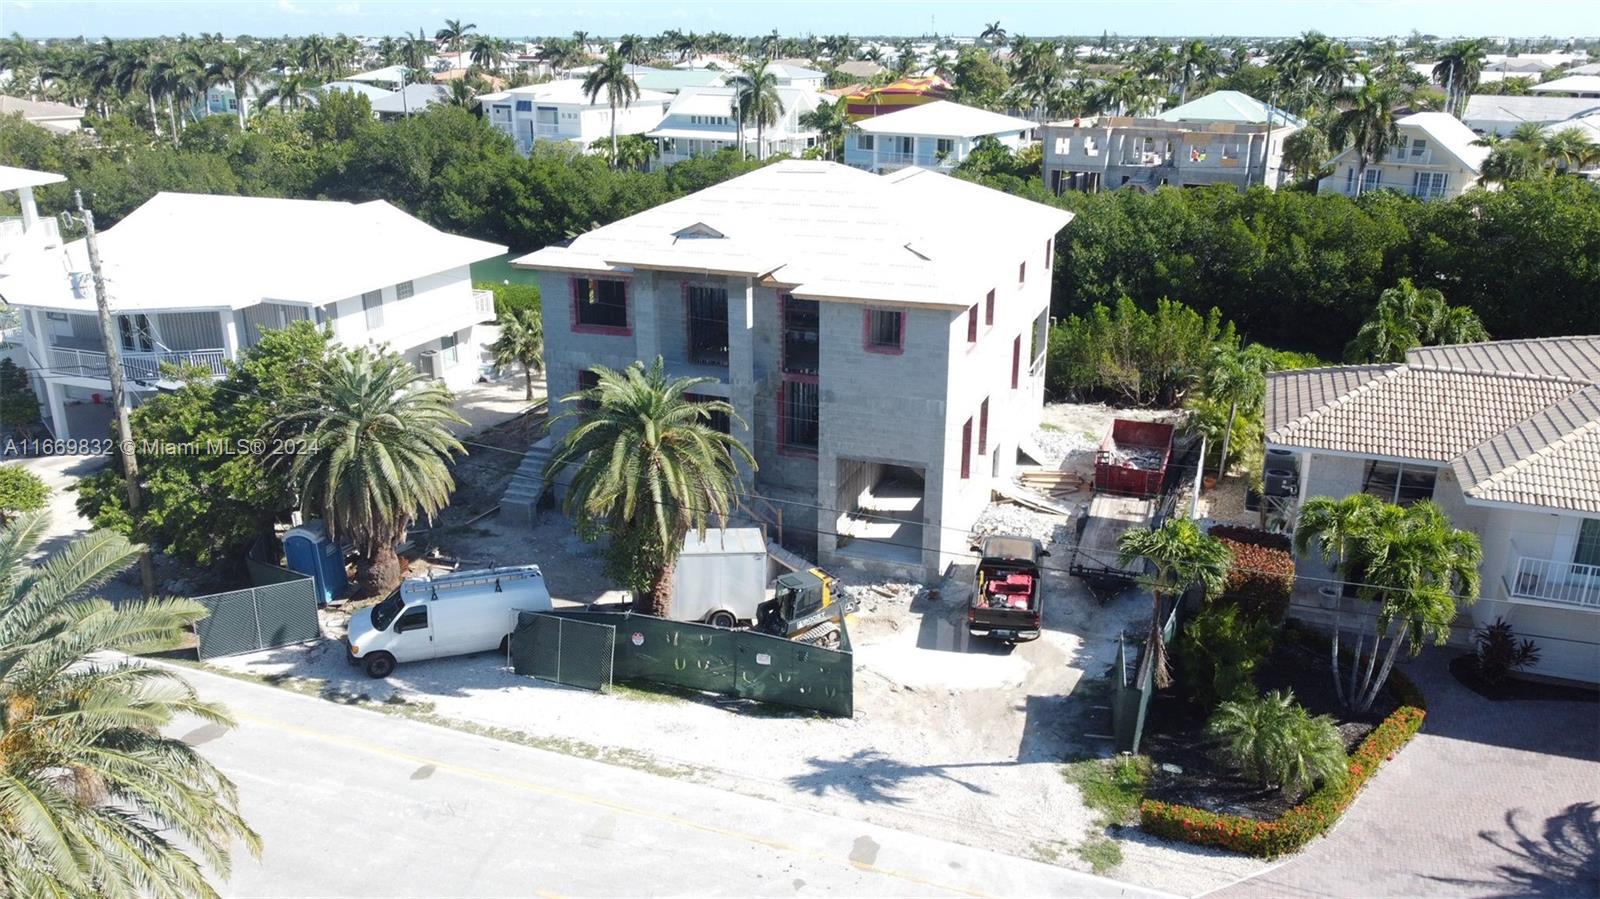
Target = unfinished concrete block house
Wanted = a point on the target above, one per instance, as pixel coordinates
(882, 338)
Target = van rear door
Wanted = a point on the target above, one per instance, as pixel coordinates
(413, 635)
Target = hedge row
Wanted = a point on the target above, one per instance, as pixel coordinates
(1306, 821)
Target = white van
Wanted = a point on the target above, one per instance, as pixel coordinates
(451, 615)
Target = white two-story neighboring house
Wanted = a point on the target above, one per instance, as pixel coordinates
(936, 135)
(701, 121)
(371, 273)
(1435, 157)
(562, 111)
(1505, 437)
(886, 362)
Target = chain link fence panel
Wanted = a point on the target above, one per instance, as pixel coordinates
(258, 618)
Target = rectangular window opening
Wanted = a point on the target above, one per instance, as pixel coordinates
(708, 324)
(600, 303)
(885, 330)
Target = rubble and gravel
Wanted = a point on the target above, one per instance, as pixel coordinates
(1057, 445)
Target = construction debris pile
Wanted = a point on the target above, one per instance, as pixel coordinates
(1057, 445)
(869, 598)
(1002, 518)
(1144, 458)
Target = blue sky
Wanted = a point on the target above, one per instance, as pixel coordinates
(129, 18)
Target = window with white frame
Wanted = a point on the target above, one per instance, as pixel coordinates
(944, 146)
(1371, 179)
(372, 302)
(1588, 549)
(1429, 184)
(908, 145)
(405, 290)
(864, 142)
(447, 349)
(1419, 148)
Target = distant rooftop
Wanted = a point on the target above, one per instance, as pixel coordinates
(1229, 106)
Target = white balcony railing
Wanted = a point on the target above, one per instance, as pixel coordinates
(546, 129)
(483, 303)
(1549, 580)
(139, 366)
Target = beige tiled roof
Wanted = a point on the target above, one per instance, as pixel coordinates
(1552, 459)
(1518, 421)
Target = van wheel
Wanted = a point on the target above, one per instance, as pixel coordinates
(723, 619)
(380, 665)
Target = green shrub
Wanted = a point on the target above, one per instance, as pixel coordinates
(1273, 741)
(18, 404)
(1112, 787)
(511, 296)
(1219, 651)
(1124, 354)
(20, 491)
(1497, 652)
(1312, 817)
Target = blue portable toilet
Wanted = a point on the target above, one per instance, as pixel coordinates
(310, 552)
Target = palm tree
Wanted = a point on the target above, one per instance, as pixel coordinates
(415, 50)
(1236, 376)
(453, 33)
(1369, 122)
(521, 344)
(633, 48)
(1333, 526)
(291, 91)
(94, 799)
(1406, 317)
(611, 75)
(993, 34)
(633, 151)
(1414, 565)
(1458, 69)
(756, 96)
(316, 53)
(238, 68)
(486, 52)
(645, 464)
(369, 450)
(1183, 555)
(1196, 62)
(830, 123)
(1570, 150)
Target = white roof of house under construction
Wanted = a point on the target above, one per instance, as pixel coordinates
(166, 255)
(824, 231)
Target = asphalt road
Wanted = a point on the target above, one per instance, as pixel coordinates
(352, 802)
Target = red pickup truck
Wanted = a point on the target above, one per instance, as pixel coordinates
(1007, 599)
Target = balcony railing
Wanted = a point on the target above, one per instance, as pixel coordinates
(546, 129)
(1549, 580)
(140, 366)
(483, 302)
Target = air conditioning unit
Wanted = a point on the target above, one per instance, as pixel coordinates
(431, 362)
(1281, 482)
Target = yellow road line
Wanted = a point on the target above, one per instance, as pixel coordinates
(586, 799)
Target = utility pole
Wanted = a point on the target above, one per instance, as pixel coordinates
(119, 394)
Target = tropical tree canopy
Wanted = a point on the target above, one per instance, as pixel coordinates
(644, 463)
(1181, 555)
(368, 449)
(94, 799)
(521, 344)
(1407, 317)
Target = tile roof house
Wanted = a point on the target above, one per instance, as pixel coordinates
(884, 363)
(1504, 435)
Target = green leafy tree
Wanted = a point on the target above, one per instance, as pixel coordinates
(1181, 555)
(611, 76)
(20, 491)
(633, 151)
(1236, 377)
(209, 504)
(368, 449)
(18, 404)
(94, 799)
(520, 345)
(979, 80)
(1219, 651)
(1275, 742)
(831, 123)
(643, 466)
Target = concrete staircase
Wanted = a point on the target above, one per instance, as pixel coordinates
(520, 503)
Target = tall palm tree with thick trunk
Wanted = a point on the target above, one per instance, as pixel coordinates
(1182, 555)
(94, 799)
(1369, 121)
(644, 464)
(368, 448)
(240, 69)
(1458, 69)
(611, 76)
(454, 33)
(756, 97)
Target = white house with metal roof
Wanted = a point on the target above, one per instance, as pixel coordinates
(1501, 115)
(701, 121)
(1226, 137)
(1571, 85)
(1504, 436)
(371, 273)
(936, 135)
(562, 111)
(1436, 157)
(884, 365)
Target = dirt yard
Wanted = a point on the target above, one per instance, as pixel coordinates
(954, 737)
